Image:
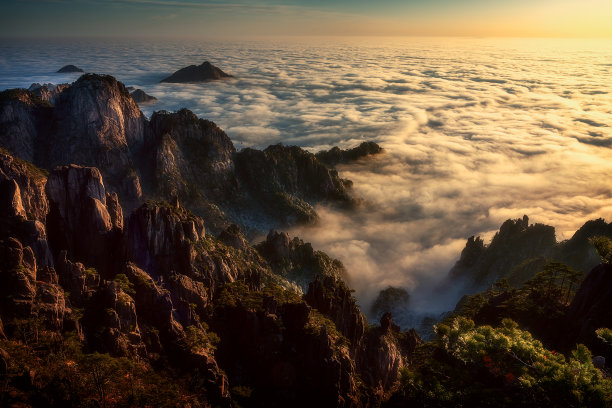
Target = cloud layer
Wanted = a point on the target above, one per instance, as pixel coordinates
(475, 132)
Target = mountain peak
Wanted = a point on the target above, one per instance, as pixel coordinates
(202, 73)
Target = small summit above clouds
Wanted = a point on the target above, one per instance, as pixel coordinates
(141, 96)
(69, 68)
(197, 73)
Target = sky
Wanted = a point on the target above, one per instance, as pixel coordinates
(261, 18)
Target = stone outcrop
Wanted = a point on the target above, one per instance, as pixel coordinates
(578, 252)
(516, 242)
(382, 357)
(141, 96)
(111, 322)
(79, 218)
(97, 123)
(336, 156)
(520, 250)
(297, 260)
(197, 73)
(23, 188)
(23, 294)
(193, 157)
(285, 180)
(48, 92)
(79, 281)
(94, 122)
(332, 298)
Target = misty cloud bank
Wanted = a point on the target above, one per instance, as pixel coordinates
(475, 132)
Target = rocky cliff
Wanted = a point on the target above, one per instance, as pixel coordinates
(95, 122)
(520, 250)
(151, 286)
(590, 310)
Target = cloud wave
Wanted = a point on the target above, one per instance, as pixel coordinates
(475, 132)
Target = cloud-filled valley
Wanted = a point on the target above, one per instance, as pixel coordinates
(475, 131)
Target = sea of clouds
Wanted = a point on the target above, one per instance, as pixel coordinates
(475, 131)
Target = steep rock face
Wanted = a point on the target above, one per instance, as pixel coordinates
(336, 155)
(193, 156)
(79, 218)
(590, 310)
(382, 357)
(578, 252)
(24, 206)
(24, 186)
(97, 123)
(79, 281)
(165, 240)
(22, 295)
(332, 298)
(153, 303)
(232, 236)
(286, 179)
(156, 312)
(18, 278)
(160, 238)
(111, 322)
(22, 115)
(298, 261)
(516, 242)
(197, 73)
(190, 298)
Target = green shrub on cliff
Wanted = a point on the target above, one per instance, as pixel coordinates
(473, 365)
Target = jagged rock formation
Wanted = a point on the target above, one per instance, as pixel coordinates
(197, 73)
(69, 68)
(286, 179)
(141, 96)
(186, 148)
(83, 215)
(336, 156)
(331, 297)
(48, 92)
(577, 251)
(520, 250)
(175, 156)
(516, 242)
(118, 133)
(156, 286)
(298, 261)
(94, 122)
